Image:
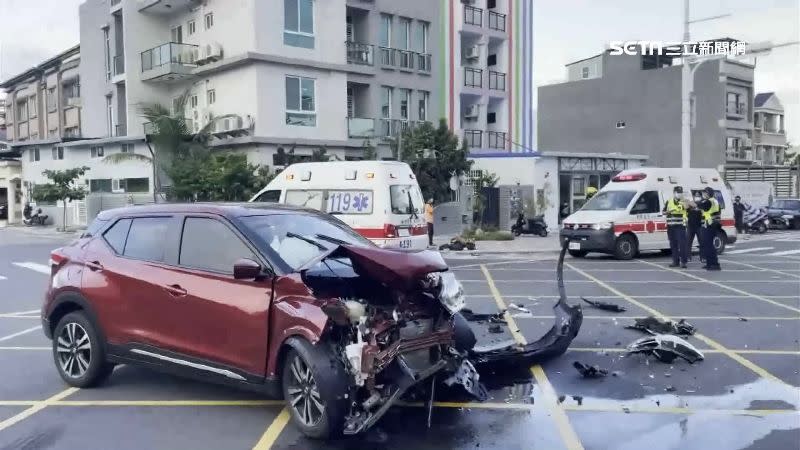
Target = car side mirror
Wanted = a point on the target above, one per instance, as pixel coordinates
(246, 269)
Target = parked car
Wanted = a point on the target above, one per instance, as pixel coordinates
(786, 211)
(282, 300)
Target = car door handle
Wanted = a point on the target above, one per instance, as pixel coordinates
(175, 290)
(94, 266)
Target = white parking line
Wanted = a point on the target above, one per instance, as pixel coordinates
(2, 278)
(12, 336)
(786, 253)
(748, 250)
(36, 267)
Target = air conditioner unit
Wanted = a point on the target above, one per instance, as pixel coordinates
(116, 186)
(230, 124)
(472, 112)
(473, 52)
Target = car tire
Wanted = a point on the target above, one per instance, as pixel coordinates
(78, 352)
(720, 241)
(464, 338)
(315, 385)
(626, 247)
(543, 233)
(577, 253)
(762, 228)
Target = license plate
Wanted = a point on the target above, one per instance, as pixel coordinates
(574, 245)
(403, 232)
(405, 243)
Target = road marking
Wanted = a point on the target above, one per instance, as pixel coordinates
(26, 348)
(781, 272)
(17, 316)
(36, 267)
(12, 336)
(494, 263)
(33, 409)
(732, 289)
(708, 341)
(704, 350)
(168, 403)
(2, 278)
(785, 253)
(568, 435)
(678, 410)
(615, 317)
(633, 281)
(18, 313)
(748, 250)
(677, 297)
(273, 431)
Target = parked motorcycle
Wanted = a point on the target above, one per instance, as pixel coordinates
(33, 219)
(536, 225)
(756, 221)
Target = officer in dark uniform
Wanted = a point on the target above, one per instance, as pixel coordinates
(711, 216)
(694, 224)
(675, 210)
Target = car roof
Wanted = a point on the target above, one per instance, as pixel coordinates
(222, 209)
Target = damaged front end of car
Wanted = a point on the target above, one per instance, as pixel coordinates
(392, 321)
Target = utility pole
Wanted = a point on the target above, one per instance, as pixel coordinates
(686, 95)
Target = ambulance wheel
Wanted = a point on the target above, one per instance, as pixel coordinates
(626, 247)
(720, 239)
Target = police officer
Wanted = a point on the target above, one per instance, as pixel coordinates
(694, 226)
(591, 191)
(675, 210)
(711, 215)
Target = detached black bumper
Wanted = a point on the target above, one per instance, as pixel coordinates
(591, 240)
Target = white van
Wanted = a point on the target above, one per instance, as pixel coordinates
(625, 217)
(381, 200)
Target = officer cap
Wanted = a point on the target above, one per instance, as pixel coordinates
(678, 189)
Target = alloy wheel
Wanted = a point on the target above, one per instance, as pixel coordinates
(304, 396)
(74, 350)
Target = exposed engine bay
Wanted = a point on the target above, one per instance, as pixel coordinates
(395, 322)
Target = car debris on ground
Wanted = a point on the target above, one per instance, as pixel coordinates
(654, 326)
(519, 308)
(666, 348)
(605, 306)
(458, 243)
(588, 371)
(491, 318)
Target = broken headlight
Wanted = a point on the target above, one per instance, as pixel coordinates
(451, 293)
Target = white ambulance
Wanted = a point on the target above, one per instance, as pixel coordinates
(381, 200)
(625, 217)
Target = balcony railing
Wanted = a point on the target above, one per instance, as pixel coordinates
(360, 128)
(497, 139)
(169, 53)
(473, 77)
(473, 138)
(424, 62)
(358, 53)
(119, 65)
(390, 128)
(497, 21)
(121, 130)
(735, 154)
(387, 56)
(473, 16)
(151, 128)
(404, 59)
(497, 80)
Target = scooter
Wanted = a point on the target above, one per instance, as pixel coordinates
(537, 225)
(757, 221)
(36, 219)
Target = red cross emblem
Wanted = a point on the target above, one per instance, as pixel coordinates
(650, 226)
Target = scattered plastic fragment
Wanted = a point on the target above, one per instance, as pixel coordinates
(491, 318)
(519, 308)
(743, 319)
(613, 307)
(578, 399)
(561, 399)
(670, 388)
(496, 329)
(655, 325)
(666, 348)
(626, 410)
(588, 371)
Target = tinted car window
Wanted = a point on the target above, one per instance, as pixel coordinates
(146, 238)
(117, 234)
(94, 227)
(609, 201)
(269, 196)
(209, 244)
(647, 203)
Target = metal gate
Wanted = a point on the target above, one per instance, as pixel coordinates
(782, 178)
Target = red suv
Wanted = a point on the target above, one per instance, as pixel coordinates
(282, 300)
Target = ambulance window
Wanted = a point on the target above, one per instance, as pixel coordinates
(647, 203)
(307, 199)
(270, 196)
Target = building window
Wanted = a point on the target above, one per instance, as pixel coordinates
(386, 31)
(193, 101)
(300, 102)
(491, 117)
(735, 105)
(405, 101)
(422, 112)
(126, 148)
(422, 36)
(109, 115)
(52, 100)
(100, 185)
(620, 124)
(211, 96)
(405, 33)
(107, 49)
(191, 27)
(58, 153)
(491, 60)
(209, 20)
(71, 90)
(33, 156)
(585, 72)
(32, 109)
(176, 33)
(386, 102)
(97, 151)
(298, 23)
(22, 111)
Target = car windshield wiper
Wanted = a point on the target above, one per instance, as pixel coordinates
(305, 239)
(332, 239)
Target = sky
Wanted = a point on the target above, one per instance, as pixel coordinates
(564, 31)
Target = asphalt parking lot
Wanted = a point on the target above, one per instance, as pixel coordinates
(745, 394)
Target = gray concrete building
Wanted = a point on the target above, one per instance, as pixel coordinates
(631, 104)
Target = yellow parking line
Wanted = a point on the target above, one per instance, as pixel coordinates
(273, 431)
(678, 410)
(732, 289)
(168, 403)
(708, 341)
(568, 435)
(761, 268)
(475, 405)
(38, 406)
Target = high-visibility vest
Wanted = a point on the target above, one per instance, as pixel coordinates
(713, 213)
(676, 212)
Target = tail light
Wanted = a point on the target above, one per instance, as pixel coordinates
(630, 177)
(57, 259)
(419, 230)
(389, 230)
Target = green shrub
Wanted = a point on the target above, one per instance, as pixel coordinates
(491, 235)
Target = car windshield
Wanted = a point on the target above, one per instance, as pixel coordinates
(609, 201)
(406, 199)
(787, 204)
(298, 238)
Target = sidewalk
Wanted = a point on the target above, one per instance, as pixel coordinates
(47, 232)
(520, 245)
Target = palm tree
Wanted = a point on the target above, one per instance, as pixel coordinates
(171, 136)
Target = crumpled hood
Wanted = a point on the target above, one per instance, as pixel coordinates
(399, 269)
